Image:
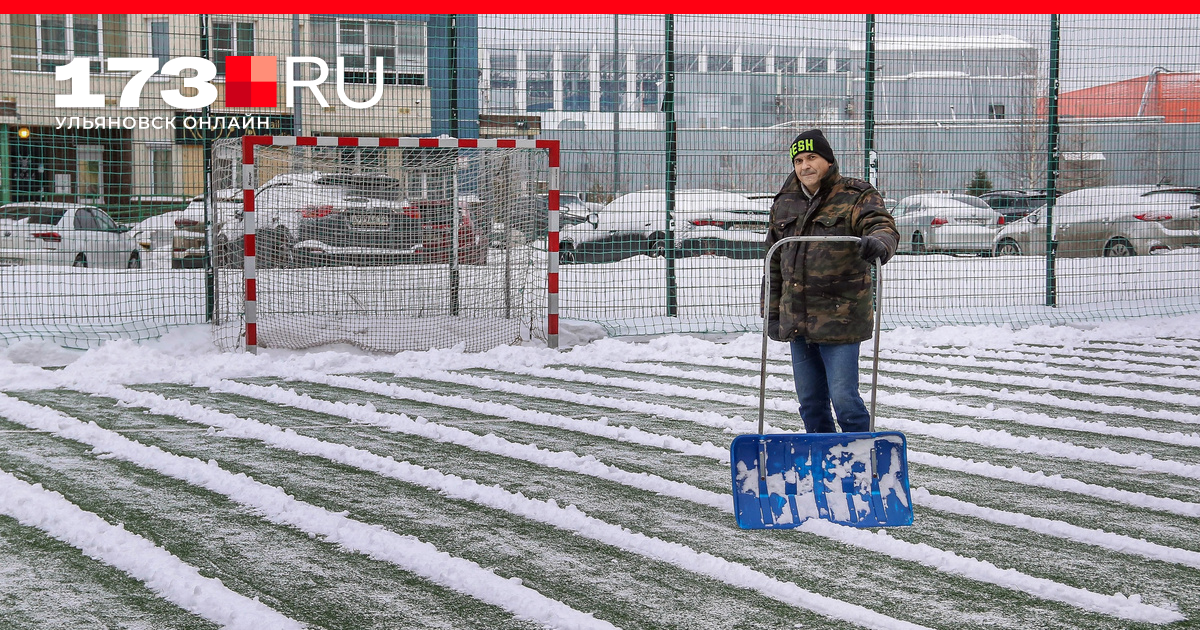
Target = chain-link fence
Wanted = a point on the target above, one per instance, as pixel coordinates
(1040, 168)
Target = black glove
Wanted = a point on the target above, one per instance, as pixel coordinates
(872, 247)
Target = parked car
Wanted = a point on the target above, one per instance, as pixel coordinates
(155, 235)
(280, 205)
(946, 222)
(528, 219)
(578, 204)
(1110, 221)
(156, 232)
(1014, 204)
(365, 232)
(706, 222)
(187, 243)
(49, 233)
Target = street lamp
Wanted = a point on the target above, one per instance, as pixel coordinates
(23, 133)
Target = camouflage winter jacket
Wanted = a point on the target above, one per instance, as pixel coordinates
(822, 291)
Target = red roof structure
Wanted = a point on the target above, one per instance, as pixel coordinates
(1173, 95)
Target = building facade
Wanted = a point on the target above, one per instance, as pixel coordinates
(118, 151)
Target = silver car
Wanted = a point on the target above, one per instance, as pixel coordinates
(946, 222)
(45, 233)
(707, 222)
(1110, 221)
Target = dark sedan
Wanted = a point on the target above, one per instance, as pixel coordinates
(383, 234)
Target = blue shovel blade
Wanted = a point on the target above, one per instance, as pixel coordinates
(855, 479)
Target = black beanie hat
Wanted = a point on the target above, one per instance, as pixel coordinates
(812, 141)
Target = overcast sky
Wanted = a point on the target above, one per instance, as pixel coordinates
(1095, 48)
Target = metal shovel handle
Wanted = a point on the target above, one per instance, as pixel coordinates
(762, 384)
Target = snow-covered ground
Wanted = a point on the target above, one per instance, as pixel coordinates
(305, 307)
(1055, 475)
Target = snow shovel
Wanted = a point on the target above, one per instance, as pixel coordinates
(855, 479)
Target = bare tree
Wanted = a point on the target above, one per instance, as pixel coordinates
(1023, 157)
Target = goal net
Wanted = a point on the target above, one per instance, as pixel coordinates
(385, 244)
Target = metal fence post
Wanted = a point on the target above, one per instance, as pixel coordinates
(210, 219)
(616, 155)
(869, 171)
(672, 164)
(5, 179)
(1052, 161)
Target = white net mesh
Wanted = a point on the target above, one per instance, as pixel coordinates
(358, 245)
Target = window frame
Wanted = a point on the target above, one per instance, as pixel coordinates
(70, 41)
(162, 186)
(401, 66)
(154, 35)
(237, 45)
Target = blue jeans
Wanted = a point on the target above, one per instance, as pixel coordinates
(825, 374)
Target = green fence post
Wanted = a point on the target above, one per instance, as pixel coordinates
(669, 109)
(1052, 162)
(210, 276)
(5, 171)
(869, 170)
(616, 155)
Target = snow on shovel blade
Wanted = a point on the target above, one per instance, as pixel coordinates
(855, 479)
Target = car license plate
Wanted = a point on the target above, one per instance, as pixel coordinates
(373, 221)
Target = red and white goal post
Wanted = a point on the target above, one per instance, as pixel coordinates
(395, 243)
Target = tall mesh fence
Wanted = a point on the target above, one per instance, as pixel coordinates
(1041, 169)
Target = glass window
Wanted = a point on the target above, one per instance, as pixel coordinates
(612, 82)
(504, 82)
(54, 34)
(401, 45)
(103, 221)
(324, 40)
(37, 215)
(382, 40)
(816, 64)
(85, 220)
(23, 32)
(90, 174)
(160, 44)
(410, 57)
(44, 42)
(650, 76)
(352, 46)
(539, 82)
(222, 44)
(229, 38)
(787, 65)
(720, 63)
(115, 37)
(754, 63)
(245, 38)
(687, 63)
(577, 92)
(160, 164)
(86, 33)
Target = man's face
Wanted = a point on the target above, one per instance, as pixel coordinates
(810, 168)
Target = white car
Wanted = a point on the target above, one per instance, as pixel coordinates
(64, 234)
(946, 222)
(187, 243)
(706, 221)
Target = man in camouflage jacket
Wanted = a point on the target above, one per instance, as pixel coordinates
(821, 299)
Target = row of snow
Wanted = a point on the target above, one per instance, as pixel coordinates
(188, 360)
